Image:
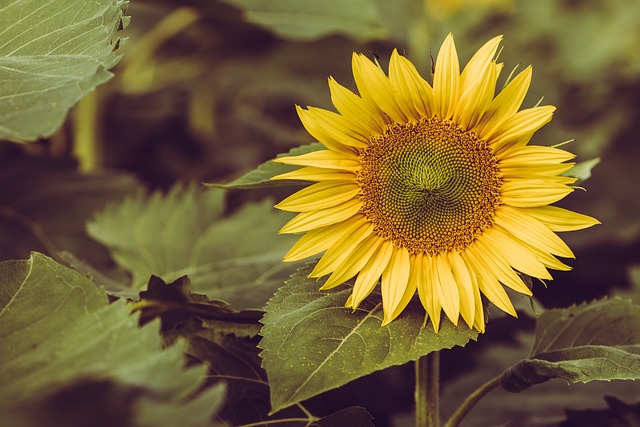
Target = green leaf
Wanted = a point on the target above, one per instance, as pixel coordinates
(595, 341)
(236, 259)
(261, 176)
(45, 204)
(57, 328)
(196, 413)
(312, 343)
(582, 170)
(304, 20)
(52, 54)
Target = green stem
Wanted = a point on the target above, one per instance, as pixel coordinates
(471, 401)
(86, 147)
(427, 390)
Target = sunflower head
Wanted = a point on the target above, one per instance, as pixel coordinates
(432, 188)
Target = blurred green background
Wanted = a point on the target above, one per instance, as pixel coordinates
(206, 91)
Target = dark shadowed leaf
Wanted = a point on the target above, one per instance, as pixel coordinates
(57, 328)
(617, 414)
(51, 55)
(233, 359)
(312, 343)
(309, 20)
(349, 417)
(174, 304)
(261, 176)
(236, 259)
(44, 204)
(595, 341)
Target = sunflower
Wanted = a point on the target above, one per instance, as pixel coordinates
(431, 188)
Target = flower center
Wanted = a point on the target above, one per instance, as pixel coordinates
(430, 186)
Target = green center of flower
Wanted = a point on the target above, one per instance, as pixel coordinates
(430, 186)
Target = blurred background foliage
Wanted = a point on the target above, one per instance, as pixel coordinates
(205, 92)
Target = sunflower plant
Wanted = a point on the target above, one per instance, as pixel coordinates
(398, 250)
(428, 202)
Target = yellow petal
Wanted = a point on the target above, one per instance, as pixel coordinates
(446, 288)
(530, 230)
(536, 171)
(534, 154)
(476, 99)
(309, 220)
(487, 281)
(318, 196)
(547, 259)
(319, 130)
(559, 219)
(503, 249)
(446, 79)
(355, 109)
(479, 63)
(395, 283)
(355, 262)
(533, 193)
(465, 284)
(411, 87)
(522, 123)
(479, 322)
(326, 159)
(312, 173)
(506, 104)
(340, 251)
(427, 278)
(369, 275)
(338, 128)
(375, 86)
(319, 240)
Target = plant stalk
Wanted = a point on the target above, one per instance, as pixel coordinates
(427, 374)
(471, 401)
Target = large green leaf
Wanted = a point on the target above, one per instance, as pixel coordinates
(57, 328)
(595, 341)
(309, 20)
(51, 54)
(236, 259)
(312, 343)
(261, 176)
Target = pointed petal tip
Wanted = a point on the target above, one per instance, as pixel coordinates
(436, 326)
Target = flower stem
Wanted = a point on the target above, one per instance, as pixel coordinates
(471, 401)
(427, 390)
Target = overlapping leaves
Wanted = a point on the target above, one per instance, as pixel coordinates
(51, 55)
(235, 259)
(58, 329)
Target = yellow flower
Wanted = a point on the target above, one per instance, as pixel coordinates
(431, 188)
